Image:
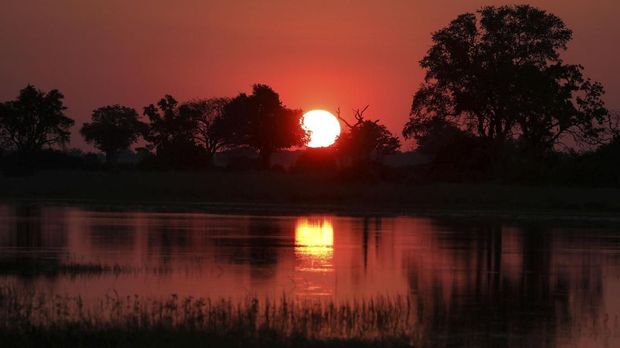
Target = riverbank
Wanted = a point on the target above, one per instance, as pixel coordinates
(264, 192)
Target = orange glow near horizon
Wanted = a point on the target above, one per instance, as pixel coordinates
(323, 58)
(323, 127)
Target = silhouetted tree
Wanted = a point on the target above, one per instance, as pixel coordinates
(365, 140)
(209, 131)
(434, 135)
(261, 121)
(452, 153)
(499, 75)
(34, 120)
(113, 128)
(171, 133)
(320, 160)
(167, 125)
(599, 168)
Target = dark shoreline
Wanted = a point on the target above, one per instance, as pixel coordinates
(268, 193)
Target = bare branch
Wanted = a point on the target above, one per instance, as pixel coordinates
(342, 119)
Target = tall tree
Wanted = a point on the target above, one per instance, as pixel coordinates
(113, 128)
(34, 120)
(209, 129)
(366, 140)
(262, 122)
(499, 75)
(167, 125)
(171, 134)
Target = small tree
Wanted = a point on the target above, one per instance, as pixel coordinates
(261, 121)
(34, 120)
(366, 140)
(113, 129)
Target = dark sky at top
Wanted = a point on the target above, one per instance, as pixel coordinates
(316, 54)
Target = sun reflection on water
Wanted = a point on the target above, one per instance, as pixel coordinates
(314, 237)
(314, 244)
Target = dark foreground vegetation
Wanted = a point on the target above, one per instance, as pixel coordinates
(29, 320)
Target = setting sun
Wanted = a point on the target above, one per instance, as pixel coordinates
(323, 127)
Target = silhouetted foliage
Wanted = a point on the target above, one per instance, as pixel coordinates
(209, 130)
(261, 121)
(433, 136)
(20, 164)
(365, 140)
(453, 154)
(113, 128)
(598, 168)
(320, 160)
(238, 158)
(499, 75)
(171, 134)
(33, 121)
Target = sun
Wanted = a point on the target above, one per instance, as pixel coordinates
(323, 127)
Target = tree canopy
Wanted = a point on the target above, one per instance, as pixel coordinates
(171, 134)
(262, 122)
(499, 75)
(35, 120)
(113, 128)
(365, 140)
(209, 130)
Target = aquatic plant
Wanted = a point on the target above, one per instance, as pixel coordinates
(282, 321)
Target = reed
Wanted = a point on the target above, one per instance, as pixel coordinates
(27, 317)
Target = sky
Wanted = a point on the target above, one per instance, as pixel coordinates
(314, 53)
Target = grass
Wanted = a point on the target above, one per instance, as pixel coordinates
(29, 319)
(269, 191)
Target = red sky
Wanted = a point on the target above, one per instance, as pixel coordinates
(316, 54)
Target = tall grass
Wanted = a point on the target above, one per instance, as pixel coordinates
(282, 321)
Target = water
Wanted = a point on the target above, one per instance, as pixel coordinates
(540, 283)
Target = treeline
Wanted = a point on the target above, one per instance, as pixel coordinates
(34, 132)
(498, 103)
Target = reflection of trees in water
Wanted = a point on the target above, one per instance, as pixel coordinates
(376, 230)
(36, 227)
(28, 232)
(37, 235)
(475, 302)
(169, 236)
(185, 240)
(256, 245)
(112, 236)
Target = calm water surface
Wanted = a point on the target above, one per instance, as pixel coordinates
(549, 283)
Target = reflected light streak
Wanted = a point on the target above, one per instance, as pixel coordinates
(314, 251)
(314, 237)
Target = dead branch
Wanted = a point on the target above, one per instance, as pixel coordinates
(358, 114)
(342, 119)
